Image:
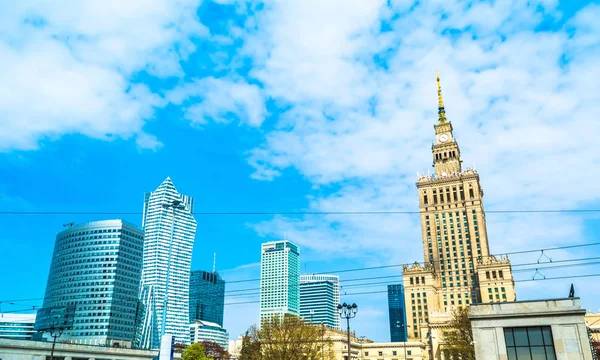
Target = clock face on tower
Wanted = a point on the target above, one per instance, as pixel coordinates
(444, 137)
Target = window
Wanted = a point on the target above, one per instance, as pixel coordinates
(533, 343)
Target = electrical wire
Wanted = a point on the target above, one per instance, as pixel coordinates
(382, 212)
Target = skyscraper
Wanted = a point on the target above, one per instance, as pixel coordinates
(397, 313)
(96, 270)
(319, 298)
(169, 229)
(279, 279)
(207, 297)
(458, 268)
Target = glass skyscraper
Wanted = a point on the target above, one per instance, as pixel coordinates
(95, 272)
(207, 297)
(170, 229)
(279, 279)
(398, 331)
(319, 298)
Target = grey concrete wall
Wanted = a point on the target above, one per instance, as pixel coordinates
(564, 316)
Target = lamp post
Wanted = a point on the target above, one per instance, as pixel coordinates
(430, 343)
(401, 326)
(347, 312)
(55, 333)
(175, 204)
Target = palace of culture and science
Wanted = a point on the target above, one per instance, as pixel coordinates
(458, 269)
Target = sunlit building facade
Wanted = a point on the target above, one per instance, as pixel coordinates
(319, 298)
(170, 229)
(17, 326)
(92, 287)
(279, 279)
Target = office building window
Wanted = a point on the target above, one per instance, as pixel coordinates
(533, 343)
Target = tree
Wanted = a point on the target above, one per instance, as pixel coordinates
(459, 338)
(251, 349)
(214, 350)
(194, 352)
(179, 347)
(290, 338)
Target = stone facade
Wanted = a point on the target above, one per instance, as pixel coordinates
(561, 319)
(458, 269)
(361, 349)
(40, 350)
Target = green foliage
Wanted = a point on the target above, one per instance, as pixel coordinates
(459, 338)
(194, 352)
(288, 339)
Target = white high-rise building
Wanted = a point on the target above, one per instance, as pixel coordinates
(319, 298)
(279, 279)
(170, 229)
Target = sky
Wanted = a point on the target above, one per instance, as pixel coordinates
(300, 106)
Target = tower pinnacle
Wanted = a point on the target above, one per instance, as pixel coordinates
(441, 111)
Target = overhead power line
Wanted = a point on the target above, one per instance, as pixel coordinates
(382, 212)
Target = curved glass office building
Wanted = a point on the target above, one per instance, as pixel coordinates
(93, 284)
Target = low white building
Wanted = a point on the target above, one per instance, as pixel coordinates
(17, 326)
(235, 347)
(40, 350)
(209, 331)
(540, 329)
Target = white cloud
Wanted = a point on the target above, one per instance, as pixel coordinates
(67, 66)
(359, 132)
(220, 99)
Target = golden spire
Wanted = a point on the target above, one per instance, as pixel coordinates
(441, 111)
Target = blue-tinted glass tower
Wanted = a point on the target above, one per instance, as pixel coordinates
(93, 283)
(397, 313)
(207, 297)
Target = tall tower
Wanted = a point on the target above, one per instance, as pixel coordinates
(207, 297)
(279, 279)
(397, 313)
(319, 298)
(95, 270)
(454, 236)
(170, 229)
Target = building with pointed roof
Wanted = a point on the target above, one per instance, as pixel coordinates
(170, 228)
(458, 269)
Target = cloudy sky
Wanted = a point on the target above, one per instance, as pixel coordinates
(299, 106)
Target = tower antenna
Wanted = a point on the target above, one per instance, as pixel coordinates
(441, 110)
(215, 263)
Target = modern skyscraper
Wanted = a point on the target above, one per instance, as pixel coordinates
(95, 270)
(279, 279)
(17, 326)
(397, 313)
(319, 298)
(170, 229)
(207, 297)
(458, 265)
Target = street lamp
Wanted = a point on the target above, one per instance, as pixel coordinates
(175, 204)
(401, 326)
(430, 337)
(347, 312)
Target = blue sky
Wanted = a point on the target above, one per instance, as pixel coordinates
(298, 106)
